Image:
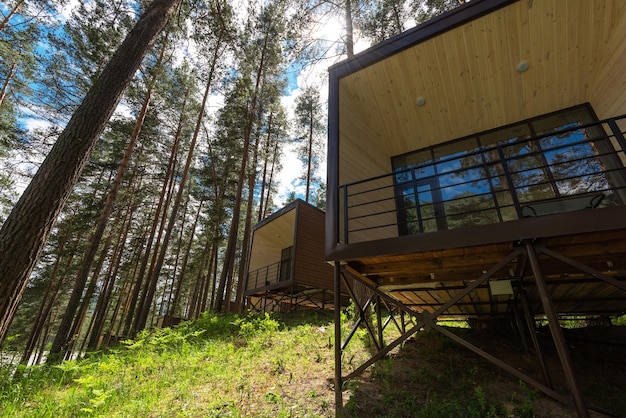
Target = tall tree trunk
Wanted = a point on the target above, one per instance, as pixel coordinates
(231, 247)
(159, 218)
(179, 283)
(52, 290)
(252, 175)
(143, 314)
(62, 334)
(195, 300)
(310, 151)
(166, 301)
(349, 29)
(158, 227)
(102, 305)
(212, 272)
(77, 324)
(270, 182)
(5, 85)
(28, 226)
(265, 164)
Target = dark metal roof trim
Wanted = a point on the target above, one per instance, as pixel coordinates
(280, 212)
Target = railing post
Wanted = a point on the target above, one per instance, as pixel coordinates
(507, 174)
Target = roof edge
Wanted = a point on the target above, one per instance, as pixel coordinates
(424, 31)
(280, 212)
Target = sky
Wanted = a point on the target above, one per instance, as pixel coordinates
(330, 30)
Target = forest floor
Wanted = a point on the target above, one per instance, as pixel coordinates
(433, 376)
(283, 366)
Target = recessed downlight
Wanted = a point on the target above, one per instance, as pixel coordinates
(522, 66)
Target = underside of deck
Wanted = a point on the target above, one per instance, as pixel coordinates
(510, 284)
(290, 297)
(425, 281)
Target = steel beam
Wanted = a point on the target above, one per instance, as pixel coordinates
(382, 353)
(338, 372)
(533, 337)
(595, 273)
(493, 270)
(557, 332)
(503, 365)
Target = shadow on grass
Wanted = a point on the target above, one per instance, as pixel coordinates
(432, 376)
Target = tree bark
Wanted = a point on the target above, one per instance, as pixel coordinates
(174, 302)
(5, 85)
(28, 226)
(349, 29)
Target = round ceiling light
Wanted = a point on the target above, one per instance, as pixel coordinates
(522, 66)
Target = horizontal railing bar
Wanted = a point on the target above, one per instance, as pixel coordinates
(483, 149)
(369, 215)
(371, 202)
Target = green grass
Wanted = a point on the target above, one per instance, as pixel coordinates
(220, 365)
(264, 366)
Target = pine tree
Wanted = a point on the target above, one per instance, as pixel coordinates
(26, 230)
(310, 136)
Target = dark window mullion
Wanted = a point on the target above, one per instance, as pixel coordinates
(418, 207)
(546, 166)
(509, 180)
(491, 186)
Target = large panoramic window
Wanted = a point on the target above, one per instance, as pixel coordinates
(558, 162)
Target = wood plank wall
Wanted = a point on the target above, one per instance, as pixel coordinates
(310, 266)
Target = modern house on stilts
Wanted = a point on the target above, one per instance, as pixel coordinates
(287, 270)
(476, 172)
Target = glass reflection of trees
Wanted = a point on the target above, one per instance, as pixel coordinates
(488, 177)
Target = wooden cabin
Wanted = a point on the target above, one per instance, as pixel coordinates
(476, 167)
(287, 268)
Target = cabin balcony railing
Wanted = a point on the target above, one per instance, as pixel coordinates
(571, 169)
(266, 276)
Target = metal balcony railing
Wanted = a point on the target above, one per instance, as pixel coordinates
(570, 169)
(268, 275)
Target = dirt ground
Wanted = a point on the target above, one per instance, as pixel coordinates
(430, 372)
